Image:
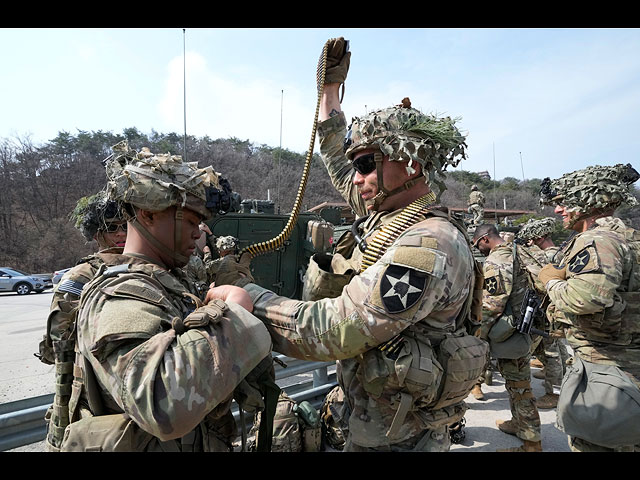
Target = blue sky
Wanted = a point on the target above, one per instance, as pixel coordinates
(541, 101)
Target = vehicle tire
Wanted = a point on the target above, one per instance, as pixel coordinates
(22, 288)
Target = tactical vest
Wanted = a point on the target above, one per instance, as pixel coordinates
(104, 421)
(431, 371)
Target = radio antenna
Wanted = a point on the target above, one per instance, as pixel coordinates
(184, 101)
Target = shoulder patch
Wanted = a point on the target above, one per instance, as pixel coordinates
(401, 288)
(491, 284)
(70, 286)
(586, 260)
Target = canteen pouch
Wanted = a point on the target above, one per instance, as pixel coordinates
(600, 404)
(505, 341)
(105, 433)
(463, 360)
(326, 276)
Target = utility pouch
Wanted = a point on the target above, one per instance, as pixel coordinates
(463, 360)
(326, 276)
(105, 433)
(505, 340)
(600, 404)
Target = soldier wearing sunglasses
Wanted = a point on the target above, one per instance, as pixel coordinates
(407, 286)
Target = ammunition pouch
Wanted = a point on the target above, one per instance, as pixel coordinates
(326, 276)
(105, 433)
(506, 341)
(600, 404)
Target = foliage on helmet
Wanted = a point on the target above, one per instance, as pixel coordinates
(156, 182)
(406, 134)
(534, 229)
(592, 188)
(226, 243)
(93, 212)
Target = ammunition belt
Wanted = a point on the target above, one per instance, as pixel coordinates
(388, 234)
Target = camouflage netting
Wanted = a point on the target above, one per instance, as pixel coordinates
(534, 229)
(92, 213)
(407, 135)
(156, 182)
(226, 243)
(591, 188)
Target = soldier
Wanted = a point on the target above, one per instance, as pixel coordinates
(394, 325)
(156, 369)
(506, 282)
(226, 269)
(99, 220)
(551, 351)
(476, 205)
(196, 269)
(595, 296)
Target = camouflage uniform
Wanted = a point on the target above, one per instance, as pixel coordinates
(476, 205)
(196, 273)
(91, 215)
(503, 294)
(156, 370)
(551, 351)
(598, 300)
(393, 402)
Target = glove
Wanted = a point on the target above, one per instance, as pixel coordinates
(338, 59)
(552, 272)
(233, 272)
(200, 317)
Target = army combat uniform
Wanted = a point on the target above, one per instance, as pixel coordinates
(476, 206)
(505, 284)
(599, 301)
(419, 293)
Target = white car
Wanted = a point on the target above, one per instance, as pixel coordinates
(12, 280)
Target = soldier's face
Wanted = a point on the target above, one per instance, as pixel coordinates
(394, 175)
(114, 235)
(568, 218)
(162, 229)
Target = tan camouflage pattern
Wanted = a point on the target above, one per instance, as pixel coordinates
(226, 243)
(408, 135)
(595, 187)
(196, 272)
(504, 292)
(536, 228)
(599, 301)
(476, 198)
(157, 182)
(349, 326)
(169, 384)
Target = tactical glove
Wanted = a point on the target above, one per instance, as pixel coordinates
(338, 59)
(552, 272)
(200, 317)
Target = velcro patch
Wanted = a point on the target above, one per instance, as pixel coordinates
(140, 292)
(586, 260)
(422, 259)
(401, 288)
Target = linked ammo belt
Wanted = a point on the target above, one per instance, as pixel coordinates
(388, 234)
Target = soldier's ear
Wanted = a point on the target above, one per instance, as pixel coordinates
(145, 217)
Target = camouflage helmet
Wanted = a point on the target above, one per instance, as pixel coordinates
(474, 187)
(592, 188)
(405, 134)
(534, 229)
(156, 182)
(226, 243)
(92, 213)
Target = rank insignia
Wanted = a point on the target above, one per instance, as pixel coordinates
(491, 285)
(401, 288)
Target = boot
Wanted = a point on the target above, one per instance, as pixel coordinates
(527, 446)
(508, 426)
(538, 374)
(535, 363)
(488, 377)
(549, 400)
(477, 392)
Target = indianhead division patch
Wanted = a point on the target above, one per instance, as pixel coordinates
(577, 263)
(491, 285)
(401, 288)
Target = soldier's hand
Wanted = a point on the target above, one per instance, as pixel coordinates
(552, 272)
(338, 60)
(229, 293)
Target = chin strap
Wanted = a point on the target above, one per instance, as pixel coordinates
(384, 193)
(177, 257)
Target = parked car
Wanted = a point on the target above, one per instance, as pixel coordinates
(12, 280)
(57, 275)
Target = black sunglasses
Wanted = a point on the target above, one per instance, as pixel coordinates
(114, 227)
(364, 164)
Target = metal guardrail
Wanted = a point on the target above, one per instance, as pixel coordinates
(22, 422)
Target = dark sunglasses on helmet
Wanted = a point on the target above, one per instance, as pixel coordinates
(114, 227)
(364, 164)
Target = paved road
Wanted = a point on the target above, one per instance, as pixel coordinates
(22, 375)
